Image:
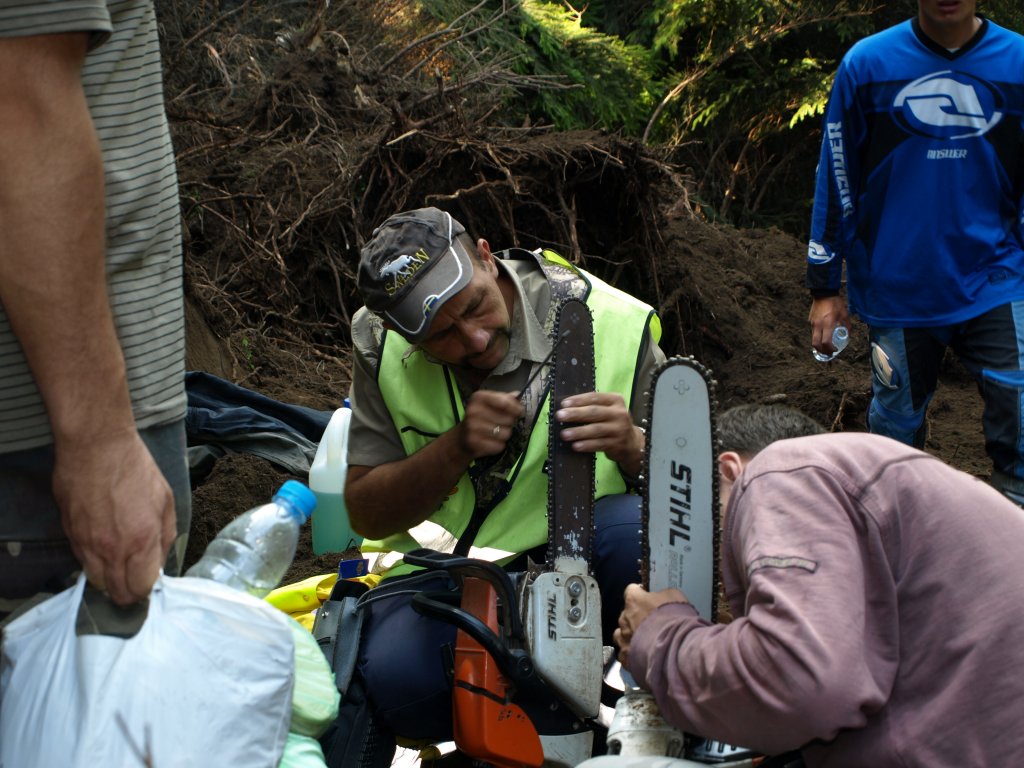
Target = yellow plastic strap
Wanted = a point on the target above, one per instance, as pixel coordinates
(301, 599)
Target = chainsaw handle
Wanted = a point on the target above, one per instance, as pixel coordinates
(493, 574)
(514, 663)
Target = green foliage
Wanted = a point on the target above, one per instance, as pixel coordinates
(775, 49)
(751, 80)
(1005, 13)
(622, 18)
(815, 95)
(592, 79)
(616, 79)
(735, 88)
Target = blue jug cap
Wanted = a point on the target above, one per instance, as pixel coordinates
(299, 495)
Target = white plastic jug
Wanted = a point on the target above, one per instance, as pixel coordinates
(332, 531)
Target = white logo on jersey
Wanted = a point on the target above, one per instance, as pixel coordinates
(835, 141)
(817, 254)
(946, 154)
(948, 105)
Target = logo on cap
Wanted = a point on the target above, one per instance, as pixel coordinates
(401, 270)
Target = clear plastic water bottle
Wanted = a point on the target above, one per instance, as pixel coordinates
(254, 550)
(840, 338)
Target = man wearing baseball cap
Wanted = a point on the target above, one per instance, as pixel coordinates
(448, 439)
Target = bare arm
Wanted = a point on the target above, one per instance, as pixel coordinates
(394, 497)
(116, 507)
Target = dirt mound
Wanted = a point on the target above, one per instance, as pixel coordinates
(295, 138)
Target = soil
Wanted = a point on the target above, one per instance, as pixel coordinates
(288, 156)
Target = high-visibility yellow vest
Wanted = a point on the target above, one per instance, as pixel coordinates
(424, 401)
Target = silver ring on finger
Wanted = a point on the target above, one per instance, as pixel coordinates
(497, 430)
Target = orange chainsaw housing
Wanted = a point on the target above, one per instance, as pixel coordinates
(487, 725)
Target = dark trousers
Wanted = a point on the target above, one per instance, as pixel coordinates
(35, 554)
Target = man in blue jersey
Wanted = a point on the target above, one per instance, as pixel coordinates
(919, 191)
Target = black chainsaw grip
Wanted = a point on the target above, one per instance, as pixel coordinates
(493, 574)
(515, 664)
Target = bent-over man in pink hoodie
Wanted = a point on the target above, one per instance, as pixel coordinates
(878, 603)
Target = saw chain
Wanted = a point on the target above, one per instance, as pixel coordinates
(571, 474)
(562, 602)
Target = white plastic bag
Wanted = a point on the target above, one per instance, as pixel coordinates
(207, 681)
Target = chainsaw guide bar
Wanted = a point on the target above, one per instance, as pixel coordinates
(680, 508)
(571, 474)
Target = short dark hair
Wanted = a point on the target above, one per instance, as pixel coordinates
(748, 429)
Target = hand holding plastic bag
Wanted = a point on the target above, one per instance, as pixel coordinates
(207, 680)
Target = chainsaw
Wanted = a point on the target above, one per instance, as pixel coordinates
(529, 659)
(561, 602)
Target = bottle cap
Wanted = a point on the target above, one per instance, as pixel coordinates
(299, 495)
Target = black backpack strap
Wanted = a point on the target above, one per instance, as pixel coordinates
(357, 739)
(337, 628)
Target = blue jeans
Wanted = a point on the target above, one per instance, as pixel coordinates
(405, 658)
(991, 348)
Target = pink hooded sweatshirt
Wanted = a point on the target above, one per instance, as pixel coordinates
(880, 614)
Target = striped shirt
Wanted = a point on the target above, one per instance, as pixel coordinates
(122, 79)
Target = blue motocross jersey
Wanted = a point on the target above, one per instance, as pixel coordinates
(920, 179)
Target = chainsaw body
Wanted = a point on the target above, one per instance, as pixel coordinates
(489, 725)
(562, 617)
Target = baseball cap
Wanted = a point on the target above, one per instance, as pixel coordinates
(411, 265)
